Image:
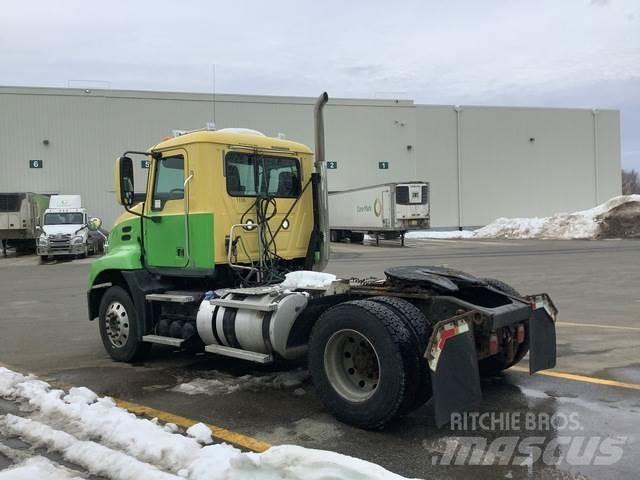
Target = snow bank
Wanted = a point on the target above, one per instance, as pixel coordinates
(37, 468)
(92, 432)
(440, 234)
(601, 221)
(307, 279)
(224, 384)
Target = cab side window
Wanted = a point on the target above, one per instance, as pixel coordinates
(169, 181)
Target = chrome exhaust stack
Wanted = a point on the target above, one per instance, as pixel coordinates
(322, 195)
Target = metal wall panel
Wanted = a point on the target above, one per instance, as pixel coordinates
(500, 172)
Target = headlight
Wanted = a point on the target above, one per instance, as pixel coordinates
(42, 241)
(77, 239)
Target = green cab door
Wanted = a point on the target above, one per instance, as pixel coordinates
(165, 240)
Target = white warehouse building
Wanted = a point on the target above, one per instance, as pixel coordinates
(482, 162)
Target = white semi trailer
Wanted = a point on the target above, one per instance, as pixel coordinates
(389, 209)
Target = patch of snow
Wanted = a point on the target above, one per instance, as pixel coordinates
(80, 395)
(38, 468)
(125, 447)
(293, 462)
(200, 432)
(225, 384)
(171, 427)
(440, 234)
(96, 458)
(307, 279)
(584, 224)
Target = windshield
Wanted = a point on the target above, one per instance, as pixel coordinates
(66, 218)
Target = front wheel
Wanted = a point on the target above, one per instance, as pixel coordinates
(362, 361)
(119, 327)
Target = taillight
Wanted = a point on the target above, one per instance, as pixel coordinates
(493, 344)
(520, 334)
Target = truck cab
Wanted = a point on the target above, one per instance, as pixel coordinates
(64, 228)
(219, 206)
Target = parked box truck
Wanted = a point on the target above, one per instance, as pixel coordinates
(20, 216)
(388, 210)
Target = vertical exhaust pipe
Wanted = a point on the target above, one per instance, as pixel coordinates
(322, 195)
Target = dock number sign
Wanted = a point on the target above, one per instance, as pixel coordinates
(144, 163)
(35, 163)
(383, 165)
(332, 165)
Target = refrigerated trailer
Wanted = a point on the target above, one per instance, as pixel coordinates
(388, 210)
(20, 217)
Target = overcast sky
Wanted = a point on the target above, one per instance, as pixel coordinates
(579, 53)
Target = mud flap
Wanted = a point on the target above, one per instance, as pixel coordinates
(542, 333)
(453, 362)
(542, 341)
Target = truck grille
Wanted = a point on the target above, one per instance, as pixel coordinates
(59, 242)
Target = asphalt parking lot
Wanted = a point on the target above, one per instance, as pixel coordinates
(594, 284)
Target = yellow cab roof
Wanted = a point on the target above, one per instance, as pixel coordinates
(233, 137)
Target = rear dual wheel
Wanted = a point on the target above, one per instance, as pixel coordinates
(364, 363)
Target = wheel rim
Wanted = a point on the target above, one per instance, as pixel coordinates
(352, 365)
(117, 324)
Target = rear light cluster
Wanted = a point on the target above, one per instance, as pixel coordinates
(520, 334)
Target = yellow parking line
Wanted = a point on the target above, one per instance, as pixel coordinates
(581, 378)
(592, 325)
(220, 433)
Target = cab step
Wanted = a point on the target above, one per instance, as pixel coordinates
(239, 353)
(171, 341)
(174, 297)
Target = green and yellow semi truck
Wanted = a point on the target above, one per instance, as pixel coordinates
(226, 254)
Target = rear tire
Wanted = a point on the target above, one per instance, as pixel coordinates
(421, 329)
(495, 364)
(119, 326)
(362, 360)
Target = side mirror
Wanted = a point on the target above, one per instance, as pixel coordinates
(94, 224)
(124, 181)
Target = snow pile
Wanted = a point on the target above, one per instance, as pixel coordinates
(224, 384)
(38, 468)
(307, 279)
(93, 433)
(440, 234)
(200, 432)
(619, 217)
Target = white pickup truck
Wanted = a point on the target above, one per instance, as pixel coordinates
(64, 229)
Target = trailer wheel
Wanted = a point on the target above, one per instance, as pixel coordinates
(361, 358)
(421, 329)
(497, 363)
(119, 327)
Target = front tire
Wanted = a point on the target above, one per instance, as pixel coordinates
(119, 327)
(362, 361)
